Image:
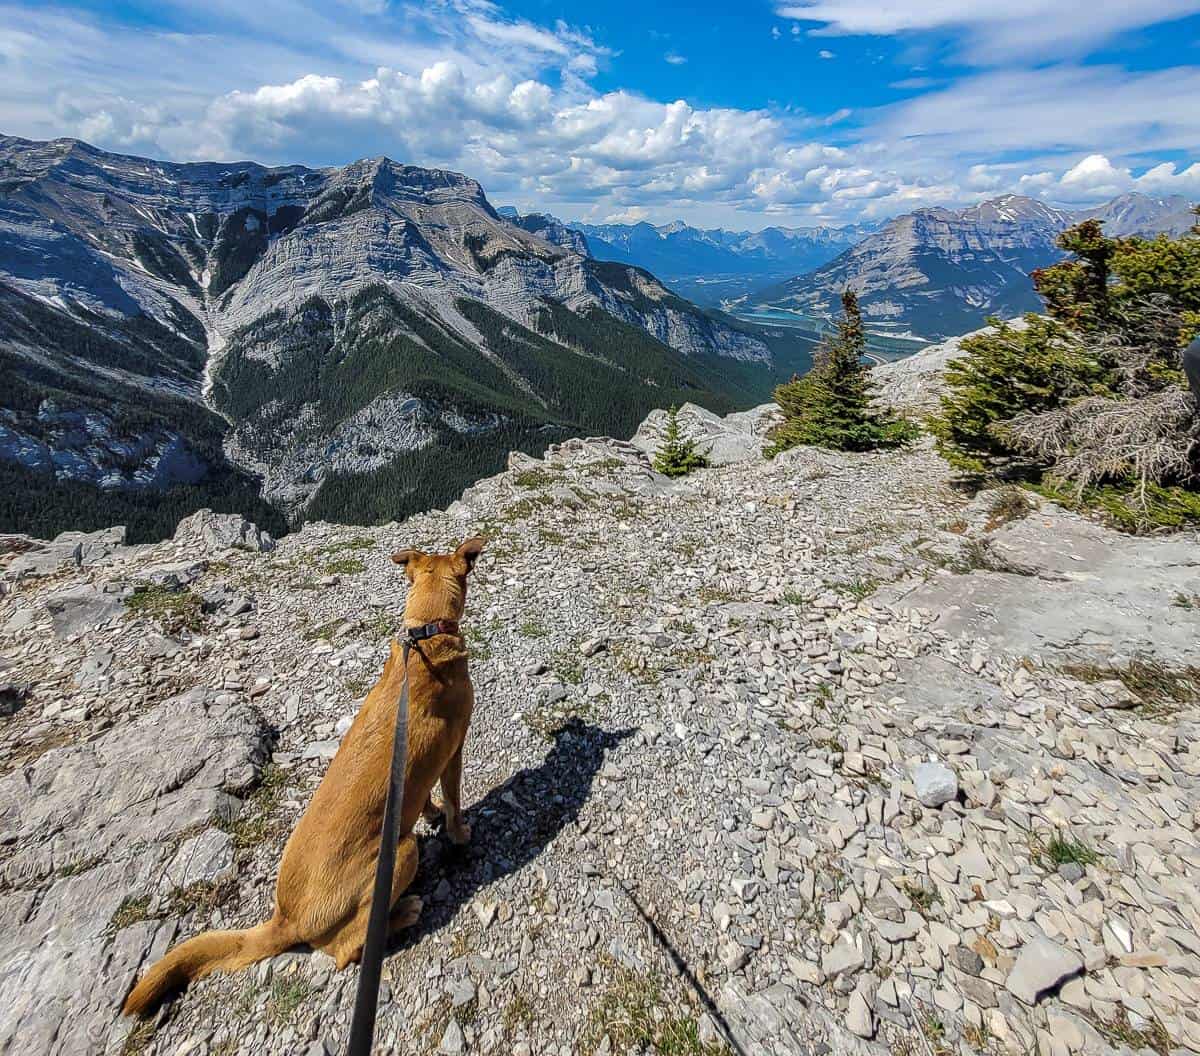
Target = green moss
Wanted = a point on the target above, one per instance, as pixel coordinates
(258, 820)
(287, 994)
(344, 566)
(173, 610)
(533, 478)
(637, 1015)
(1128, 508)
(133, 910)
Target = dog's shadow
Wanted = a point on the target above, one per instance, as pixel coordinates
(510, 826)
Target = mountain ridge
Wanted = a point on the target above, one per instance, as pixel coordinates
(941, 272)
(165, 277)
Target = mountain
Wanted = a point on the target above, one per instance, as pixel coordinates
(548, 227)
(1141, 215)
(358, 341)
(715, 265)
(940, 272)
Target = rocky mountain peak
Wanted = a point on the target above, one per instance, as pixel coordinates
(938, 272)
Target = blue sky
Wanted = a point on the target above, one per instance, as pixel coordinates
(739, 115)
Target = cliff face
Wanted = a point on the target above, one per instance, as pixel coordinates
(135, 293)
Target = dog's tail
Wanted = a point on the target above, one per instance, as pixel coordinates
(213, 951)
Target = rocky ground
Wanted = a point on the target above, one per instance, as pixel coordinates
(805, 756)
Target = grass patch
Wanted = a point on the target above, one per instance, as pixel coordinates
(325, 631)
(257, 821)
(79, 867)
(131, 911)
(1158, 687)
(1156, 509)
(637, 1016)
(343, 566)
(1186, 601)
(934, 1031)
(860, 589)
(710, 593)
(359, 542)
(139, 1038)
(924, 899)
(1011, 503)
(1121, 1032)
(979, 1038)
(568, 666)
(174, 611)
(1061, 850)
(533, 478)
(287, 995)
(201, 897)
(793, 597)
(532, 629)
(548, 720)
(517, 1015)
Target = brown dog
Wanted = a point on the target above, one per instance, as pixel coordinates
(323, 896)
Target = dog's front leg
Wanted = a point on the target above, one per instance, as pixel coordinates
(457, 829)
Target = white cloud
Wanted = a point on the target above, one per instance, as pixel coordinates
(995, 29)
(675, 59)
(825, 54)
(1059, 108)
(634, 214)
(462, 86)
(1095, 178)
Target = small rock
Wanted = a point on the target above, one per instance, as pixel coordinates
(1041, 965)
(935, 784)
(453, 1043)
(859, 1017)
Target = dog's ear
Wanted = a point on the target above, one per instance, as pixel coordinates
(405, 559)
(470, 550)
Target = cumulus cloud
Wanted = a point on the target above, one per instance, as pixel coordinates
(674, 58)
(1095, 177)
(461, 85)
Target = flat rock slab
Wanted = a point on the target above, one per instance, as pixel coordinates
(1041, 966)
(102, 817)
(81, 609)
(1083, 590)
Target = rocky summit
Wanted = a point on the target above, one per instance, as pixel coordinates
(810, 755)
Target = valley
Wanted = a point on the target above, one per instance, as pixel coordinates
(293, 342)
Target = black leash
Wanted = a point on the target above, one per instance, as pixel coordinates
(366, 1000)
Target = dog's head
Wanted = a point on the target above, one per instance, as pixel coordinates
(439, 581)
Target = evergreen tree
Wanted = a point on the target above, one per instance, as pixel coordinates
(1090, 404)
(678, 455)
(830, 406)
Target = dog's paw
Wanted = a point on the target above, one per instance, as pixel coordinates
(459, 834)
(406, 912)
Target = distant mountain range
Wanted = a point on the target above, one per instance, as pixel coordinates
(941, 272)
(353, 342)
(707, 266)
